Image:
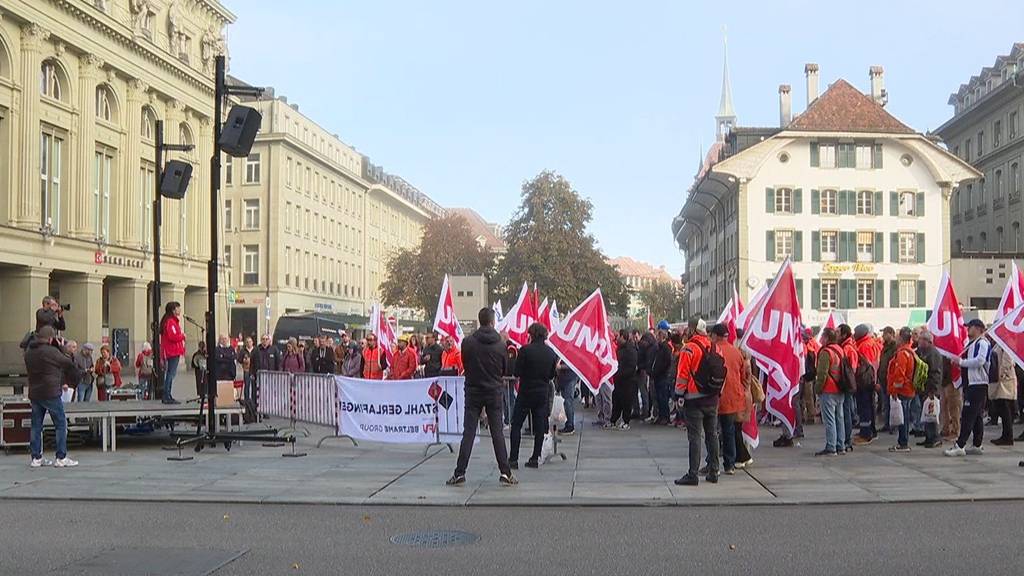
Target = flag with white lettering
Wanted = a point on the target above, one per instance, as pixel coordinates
(743, 318)
(1013, 294)
(445, 321)
(1008, 332)
(385, 333)
(947, 321)
(729, 316)
(583, 340)
(773, 339)
(519, 318)
(553, 318)
(542, 315)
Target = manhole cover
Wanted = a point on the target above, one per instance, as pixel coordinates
(435, 538)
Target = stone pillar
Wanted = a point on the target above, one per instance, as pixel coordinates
(128, 310)
(84, 292)
(81, 201)
(171, 240)
(170, 293)
(195, 307)
(200, 191)
(25, 197)
(21, 291)
(131, 197)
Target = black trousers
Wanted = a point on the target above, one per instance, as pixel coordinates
(971, 420)
(476, 402)
(623, 397)
(537, 405)
(742, 453)
(1003, 409)
(701, 425)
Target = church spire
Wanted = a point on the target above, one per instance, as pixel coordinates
(725, 120)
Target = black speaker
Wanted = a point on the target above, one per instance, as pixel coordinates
(174, 182)
(239, 131)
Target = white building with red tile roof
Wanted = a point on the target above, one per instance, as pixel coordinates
(487, 234)
(858, 200)
(639, 276)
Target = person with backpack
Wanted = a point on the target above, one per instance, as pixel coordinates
(974, 365)
(868, 354)
(901, 385)
(699, 382)
(829, 388)
(852, 359)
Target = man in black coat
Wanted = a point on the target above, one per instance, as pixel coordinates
(430, 357)
(321, 357)
(48, 369)
(624, 394)
(267, 356)
(485, 362)
(535, 368)
(661, 375)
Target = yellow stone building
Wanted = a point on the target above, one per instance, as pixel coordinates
(82, 83)
(310, 223)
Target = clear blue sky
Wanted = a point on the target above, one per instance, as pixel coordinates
(468, 99)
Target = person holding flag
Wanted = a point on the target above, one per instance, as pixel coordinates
(974, 364)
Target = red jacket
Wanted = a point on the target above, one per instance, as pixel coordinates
(172, 339)
(404, 365)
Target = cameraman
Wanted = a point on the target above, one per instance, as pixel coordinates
(51, 313)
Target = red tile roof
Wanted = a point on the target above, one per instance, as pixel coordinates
(843, 108)
(629, 267)
(481, 228)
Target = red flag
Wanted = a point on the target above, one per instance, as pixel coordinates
(382, 329)
(947, 321)
(1008, 332)
(743, 319)
(774, 340)
(543, 316)
(731, 315)
(518, 320)
(833, 321)
(650, 320)
(584, 342)
(750, 430)
(1013, 294)
(445, 322)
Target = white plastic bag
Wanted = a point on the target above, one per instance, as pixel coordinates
(547, 449)
(930, 411)
(558, 410)
(895, 412)
(67, 395)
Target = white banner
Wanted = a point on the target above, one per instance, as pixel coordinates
(419, 411)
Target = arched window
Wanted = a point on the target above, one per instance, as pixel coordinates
(1000, 239)
(104, 103)
(997, 191)
(970, 242)
(984, 242)
(1016, 236)
(5, 60)
(51, 80)
(1014, 178)
(959, 247)
(148, 123)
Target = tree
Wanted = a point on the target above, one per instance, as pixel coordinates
(548, 244)
(414, 276)
(665, 300)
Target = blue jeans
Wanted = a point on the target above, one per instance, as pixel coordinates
(832, 415)
(904, 430)
(916, 406)
(249, 386)
(567, 389)
(172, 371)
(56, 409)
(728, 426)
(849, 405)
(84, 392)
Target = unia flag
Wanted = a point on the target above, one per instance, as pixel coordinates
(947, 322)
(445, 322)
(385, 333)
(1013, 294)
(1008, 332)
(519, 318)
(584, 341)
(542, 315)
(743, 318)
(833, 321)
(774, 340)
(731, 314)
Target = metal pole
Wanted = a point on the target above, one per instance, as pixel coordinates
(211, 296)
(158, 160)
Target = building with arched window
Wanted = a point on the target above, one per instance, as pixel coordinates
(82, 85)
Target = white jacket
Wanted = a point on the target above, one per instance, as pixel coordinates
(975, 362)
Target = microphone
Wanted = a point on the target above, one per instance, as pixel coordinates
(189, 318)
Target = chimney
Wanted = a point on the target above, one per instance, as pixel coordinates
(785, 106)
(811, 72)
(878, 93)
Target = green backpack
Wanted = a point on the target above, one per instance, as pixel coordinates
(920, 373)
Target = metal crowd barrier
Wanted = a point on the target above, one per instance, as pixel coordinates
(306, 398)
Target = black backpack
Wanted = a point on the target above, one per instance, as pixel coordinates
(710, 373)
(993, 366)
(865, 374)
(847, 377)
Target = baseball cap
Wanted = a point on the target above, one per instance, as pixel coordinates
(664, 325)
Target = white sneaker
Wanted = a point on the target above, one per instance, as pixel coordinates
(624, 427)
(974, 450)
(65, 462)
(955, 451)
(38, 462)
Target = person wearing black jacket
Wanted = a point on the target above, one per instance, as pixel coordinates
(535, 368)
(624, 394)
(48, 369)
(321, 357)
(430, 357)
(485, 363)
(224, 358)
(661, 375)
(646, 349)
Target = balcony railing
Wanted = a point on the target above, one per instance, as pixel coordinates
(1015, 197)
(999, 203)
(956, 219)
(982, 210)
(969, 214)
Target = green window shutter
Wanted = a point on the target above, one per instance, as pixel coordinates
(816, 294)
(919, 204)
(879, 250)
(894, 293)
(815, 246)
(815, 201)
(800, 292)
(815, 157)
(798, 246)
(841, 251)
(920, 247)
(920, 293)
(894, 203)
(847, 294)
(876, 157)
(879, 299)
(798, 201)
(894, 247)
(769, 245)
(769, 200)
(850, 202)
(877, 204)
(841, 202)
